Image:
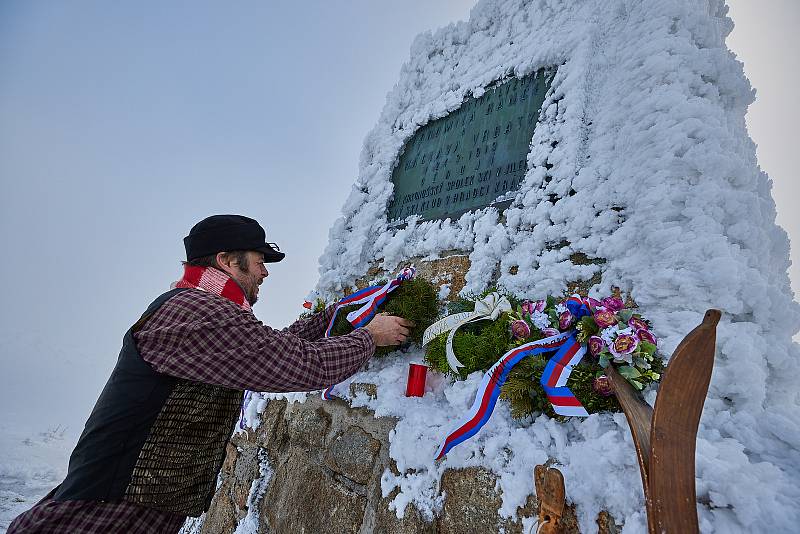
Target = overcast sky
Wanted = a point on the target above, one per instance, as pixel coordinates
(124, 123)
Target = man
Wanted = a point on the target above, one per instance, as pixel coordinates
(155, 441)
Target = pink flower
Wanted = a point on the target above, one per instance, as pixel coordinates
(550, 332)
(527, 307)
(624, 345)
(605, 318)
(646, 335)
(596, 345)
(565, 320)
(539, 305)
(520, 329)
(613, 304)
(637, 324)
(602, 386)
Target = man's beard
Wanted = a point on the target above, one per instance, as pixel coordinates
(251, 292)
(252, 299)
(249, 285)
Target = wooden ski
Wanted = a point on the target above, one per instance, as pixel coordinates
(665, 436)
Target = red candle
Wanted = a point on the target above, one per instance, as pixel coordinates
(416, 380)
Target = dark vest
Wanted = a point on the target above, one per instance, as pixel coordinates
(152, 439)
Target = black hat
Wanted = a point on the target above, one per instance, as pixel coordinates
(224, 233)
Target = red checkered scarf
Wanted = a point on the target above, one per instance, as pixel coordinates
(213, 281)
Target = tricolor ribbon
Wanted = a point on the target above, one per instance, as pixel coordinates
(489, 307)
(555, 376)
(568, 353)
(336, 390)
(579, 306)
(370, 298)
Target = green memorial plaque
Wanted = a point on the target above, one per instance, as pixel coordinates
(471, 157)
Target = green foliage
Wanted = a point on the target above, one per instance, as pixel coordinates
(631, 374)
(521, 389)
(586, 328)
(414, 299)
(477, 345)
(524, 391)
(319, 305)
(460, 306)
(656, 367)
(580, 382)
(625, 315)
(647, 348)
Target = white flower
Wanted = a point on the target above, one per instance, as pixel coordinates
(609, 334)
(560, 308)
(540, 320)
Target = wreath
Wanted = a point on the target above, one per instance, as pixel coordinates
(414, 299)
(544, 356)
(613, 335)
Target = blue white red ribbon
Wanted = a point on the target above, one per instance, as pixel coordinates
(557, 371)
(370, 297)
(578, 306)
(327, 393)
(555, 376)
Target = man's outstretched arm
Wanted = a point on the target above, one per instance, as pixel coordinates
(226, 346)
(312, 327)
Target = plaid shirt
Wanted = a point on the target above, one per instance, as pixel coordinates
(203, 337)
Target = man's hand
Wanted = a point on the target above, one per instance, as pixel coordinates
(389, 330)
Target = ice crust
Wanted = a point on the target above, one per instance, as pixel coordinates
(644, 122)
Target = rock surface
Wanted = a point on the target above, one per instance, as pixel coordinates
(449, 269)
(325, 463)
(305, 497)
(352, 454)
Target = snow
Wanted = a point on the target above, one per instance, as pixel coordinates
(33, 461)
(249, 523)
(509, 448)
(645, 122)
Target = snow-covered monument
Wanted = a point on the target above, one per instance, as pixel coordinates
(549, 147)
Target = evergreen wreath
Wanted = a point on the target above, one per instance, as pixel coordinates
(614, 336)
(415, 300)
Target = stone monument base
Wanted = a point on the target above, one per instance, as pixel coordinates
(326, 460)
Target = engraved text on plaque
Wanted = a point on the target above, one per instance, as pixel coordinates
(471, 157)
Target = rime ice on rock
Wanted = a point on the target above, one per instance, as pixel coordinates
(640, 157)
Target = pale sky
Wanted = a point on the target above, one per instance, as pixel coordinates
(124, 123)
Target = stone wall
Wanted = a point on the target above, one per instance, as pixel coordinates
(450, 269)
(325, 461)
